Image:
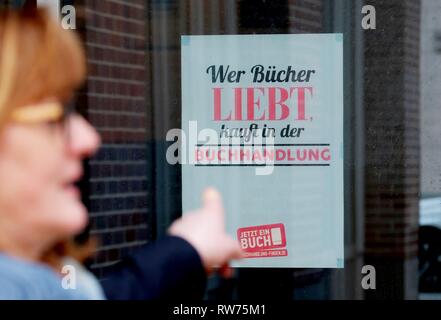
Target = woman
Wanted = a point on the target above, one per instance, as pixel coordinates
(42, 146)
(39, 164)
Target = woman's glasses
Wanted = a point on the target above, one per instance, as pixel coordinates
(51, 113)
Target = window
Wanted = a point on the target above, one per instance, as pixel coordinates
(391, 172)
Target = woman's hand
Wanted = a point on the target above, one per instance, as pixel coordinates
(204, 229)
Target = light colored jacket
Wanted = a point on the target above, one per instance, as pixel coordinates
(25, 280)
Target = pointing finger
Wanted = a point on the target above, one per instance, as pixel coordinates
(212, 200)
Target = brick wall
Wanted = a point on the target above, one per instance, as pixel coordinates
(392, 151)
(114, 101)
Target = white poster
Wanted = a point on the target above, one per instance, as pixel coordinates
(262, 121)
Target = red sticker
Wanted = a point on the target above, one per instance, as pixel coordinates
(264, 241)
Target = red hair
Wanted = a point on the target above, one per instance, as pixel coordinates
(38, 60)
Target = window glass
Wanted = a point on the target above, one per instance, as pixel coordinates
(391, 171)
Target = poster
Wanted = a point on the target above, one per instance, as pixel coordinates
(262, 121)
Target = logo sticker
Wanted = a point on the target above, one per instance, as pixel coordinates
(265, 241)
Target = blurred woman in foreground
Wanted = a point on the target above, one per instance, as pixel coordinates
(42, 145)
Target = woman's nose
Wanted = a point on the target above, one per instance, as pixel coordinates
(84, 140)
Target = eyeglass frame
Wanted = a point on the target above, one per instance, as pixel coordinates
(50, 113)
